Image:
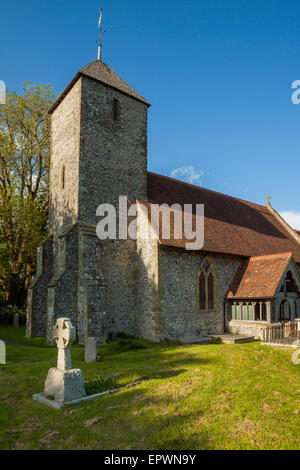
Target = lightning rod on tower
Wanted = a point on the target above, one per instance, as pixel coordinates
(99, 40)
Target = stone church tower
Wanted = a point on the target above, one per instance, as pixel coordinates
(98, 153)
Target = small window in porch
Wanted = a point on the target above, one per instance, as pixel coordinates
(257, 311)
(264, 312)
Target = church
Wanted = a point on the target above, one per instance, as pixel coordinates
(245, 278)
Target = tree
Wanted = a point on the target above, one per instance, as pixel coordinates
(24, 174)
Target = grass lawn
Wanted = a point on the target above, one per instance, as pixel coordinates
(242, 396)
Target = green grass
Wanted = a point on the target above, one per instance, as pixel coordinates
(219, 396)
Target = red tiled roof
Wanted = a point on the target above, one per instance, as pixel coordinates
(231, 226)
(259, 277)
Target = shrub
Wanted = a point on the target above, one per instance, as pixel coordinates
(124, 345)
(100, 384)
(216, 341)
(122, 335)
(7, 314)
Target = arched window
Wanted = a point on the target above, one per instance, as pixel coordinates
(207, 285)
(202, 293)
(210, 288)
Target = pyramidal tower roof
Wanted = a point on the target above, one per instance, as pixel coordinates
(100, 72)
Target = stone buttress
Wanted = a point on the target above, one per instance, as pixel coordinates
(77, 288)
(37, 293)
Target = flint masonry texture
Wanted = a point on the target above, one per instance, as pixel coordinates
(168, 293)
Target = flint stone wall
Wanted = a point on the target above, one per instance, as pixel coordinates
(178, 291)
(248, 328)
(113, 163)
(147, 321)
(64, 152)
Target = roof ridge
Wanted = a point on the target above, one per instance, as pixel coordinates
(126, 89)
(119, 87)
(206, 189)
(236, 276)
(284, 223)
(252, 283)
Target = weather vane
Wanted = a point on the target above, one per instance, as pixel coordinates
(268, 198)
(101, 32)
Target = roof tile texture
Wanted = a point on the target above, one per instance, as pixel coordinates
(231, 226)
(259, 277)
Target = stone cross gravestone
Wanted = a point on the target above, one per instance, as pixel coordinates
(63, 383)
(2, 353)
(90, 351)
(64, 335)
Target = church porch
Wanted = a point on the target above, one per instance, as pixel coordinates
(264, 298)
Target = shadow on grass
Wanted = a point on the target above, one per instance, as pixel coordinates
(198, 397)
(133, 414)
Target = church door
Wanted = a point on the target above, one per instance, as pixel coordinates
(285, 311)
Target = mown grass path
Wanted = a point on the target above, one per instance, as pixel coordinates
(243, 396)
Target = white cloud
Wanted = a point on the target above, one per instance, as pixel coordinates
(188, 174)
(292, 218)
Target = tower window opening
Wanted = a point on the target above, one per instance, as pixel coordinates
(63, 177)
(115, 110)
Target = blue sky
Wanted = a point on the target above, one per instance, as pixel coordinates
(218, 75)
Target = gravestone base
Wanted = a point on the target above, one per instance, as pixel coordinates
(64, 386)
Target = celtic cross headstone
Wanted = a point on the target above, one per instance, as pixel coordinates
(63, 383)
(64, 335)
